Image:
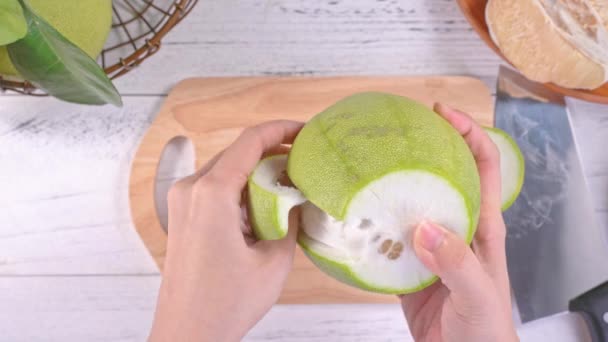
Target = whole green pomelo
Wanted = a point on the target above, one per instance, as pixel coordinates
(86, 23)
(373, 166)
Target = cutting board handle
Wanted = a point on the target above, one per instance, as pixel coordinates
(142, 181)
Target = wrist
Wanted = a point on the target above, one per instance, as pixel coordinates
(177, 319)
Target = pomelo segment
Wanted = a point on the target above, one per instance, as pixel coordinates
(374, 166)
(512, 166)
(271, 198)
(541, 45)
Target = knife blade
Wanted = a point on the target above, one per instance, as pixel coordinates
(555, 249)
(586, 321)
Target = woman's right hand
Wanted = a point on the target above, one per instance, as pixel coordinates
(472, 301)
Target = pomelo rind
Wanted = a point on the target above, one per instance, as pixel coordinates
(506, 144)
(343, 273)
(362, 139)
(270, 202)
(347, 114)
(340, 155)
(332, 254)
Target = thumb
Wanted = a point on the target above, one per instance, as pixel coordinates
(450, 258)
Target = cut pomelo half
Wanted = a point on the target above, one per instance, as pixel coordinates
(271, 197)
(512, 166)
(551, 41)
(373, 167)
(371, 248)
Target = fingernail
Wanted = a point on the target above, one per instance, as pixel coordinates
(442, 105)
(430, 236)
(438, 107)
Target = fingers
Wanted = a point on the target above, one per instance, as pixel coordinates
(450, 258)
(209, 164)
(179, 193)
(191, 179)
(239, 159)
(284, 248)
(188, 181)
(280, 149)
(485, 153)
(489, 241)
(414, 303)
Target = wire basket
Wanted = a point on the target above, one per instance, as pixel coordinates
(138, 27)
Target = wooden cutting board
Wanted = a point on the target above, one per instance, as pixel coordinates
(213, 111)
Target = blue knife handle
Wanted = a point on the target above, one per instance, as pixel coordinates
(593, 306)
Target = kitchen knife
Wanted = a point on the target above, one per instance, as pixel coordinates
(555, 249)
(586, 321)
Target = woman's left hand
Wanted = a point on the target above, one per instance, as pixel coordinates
(218, 281)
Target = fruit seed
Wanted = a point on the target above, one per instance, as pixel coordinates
(365, 223)
(284, 180)
(394, 255)
(386, 245)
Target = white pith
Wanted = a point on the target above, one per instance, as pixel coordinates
(266, 175)
(510, 168)
(390, 207)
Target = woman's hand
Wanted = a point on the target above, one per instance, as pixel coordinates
(218, 281)
(472, 300)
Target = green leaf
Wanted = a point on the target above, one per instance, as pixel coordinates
(12, 22)
(51, 62)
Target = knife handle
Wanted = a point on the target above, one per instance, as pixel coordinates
(593, 306)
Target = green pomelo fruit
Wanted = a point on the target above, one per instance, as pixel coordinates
(271, 198)
(512, 166)
(86, 23)
(373, 166)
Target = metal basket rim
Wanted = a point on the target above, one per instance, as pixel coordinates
(178, 11)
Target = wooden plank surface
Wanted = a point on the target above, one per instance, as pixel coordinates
(315, 38)
(120, 308)
(77, 308)
(64, 171)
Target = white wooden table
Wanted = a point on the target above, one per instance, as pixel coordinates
(72, 267)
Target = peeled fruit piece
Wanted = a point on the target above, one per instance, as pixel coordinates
(512, 166)
(271, 197)
(86, 23)
(581, 25)
(551, 41)
(373, 167)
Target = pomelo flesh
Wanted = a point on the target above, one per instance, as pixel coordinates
(374, 240)
(85, 23)
(373, 166)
